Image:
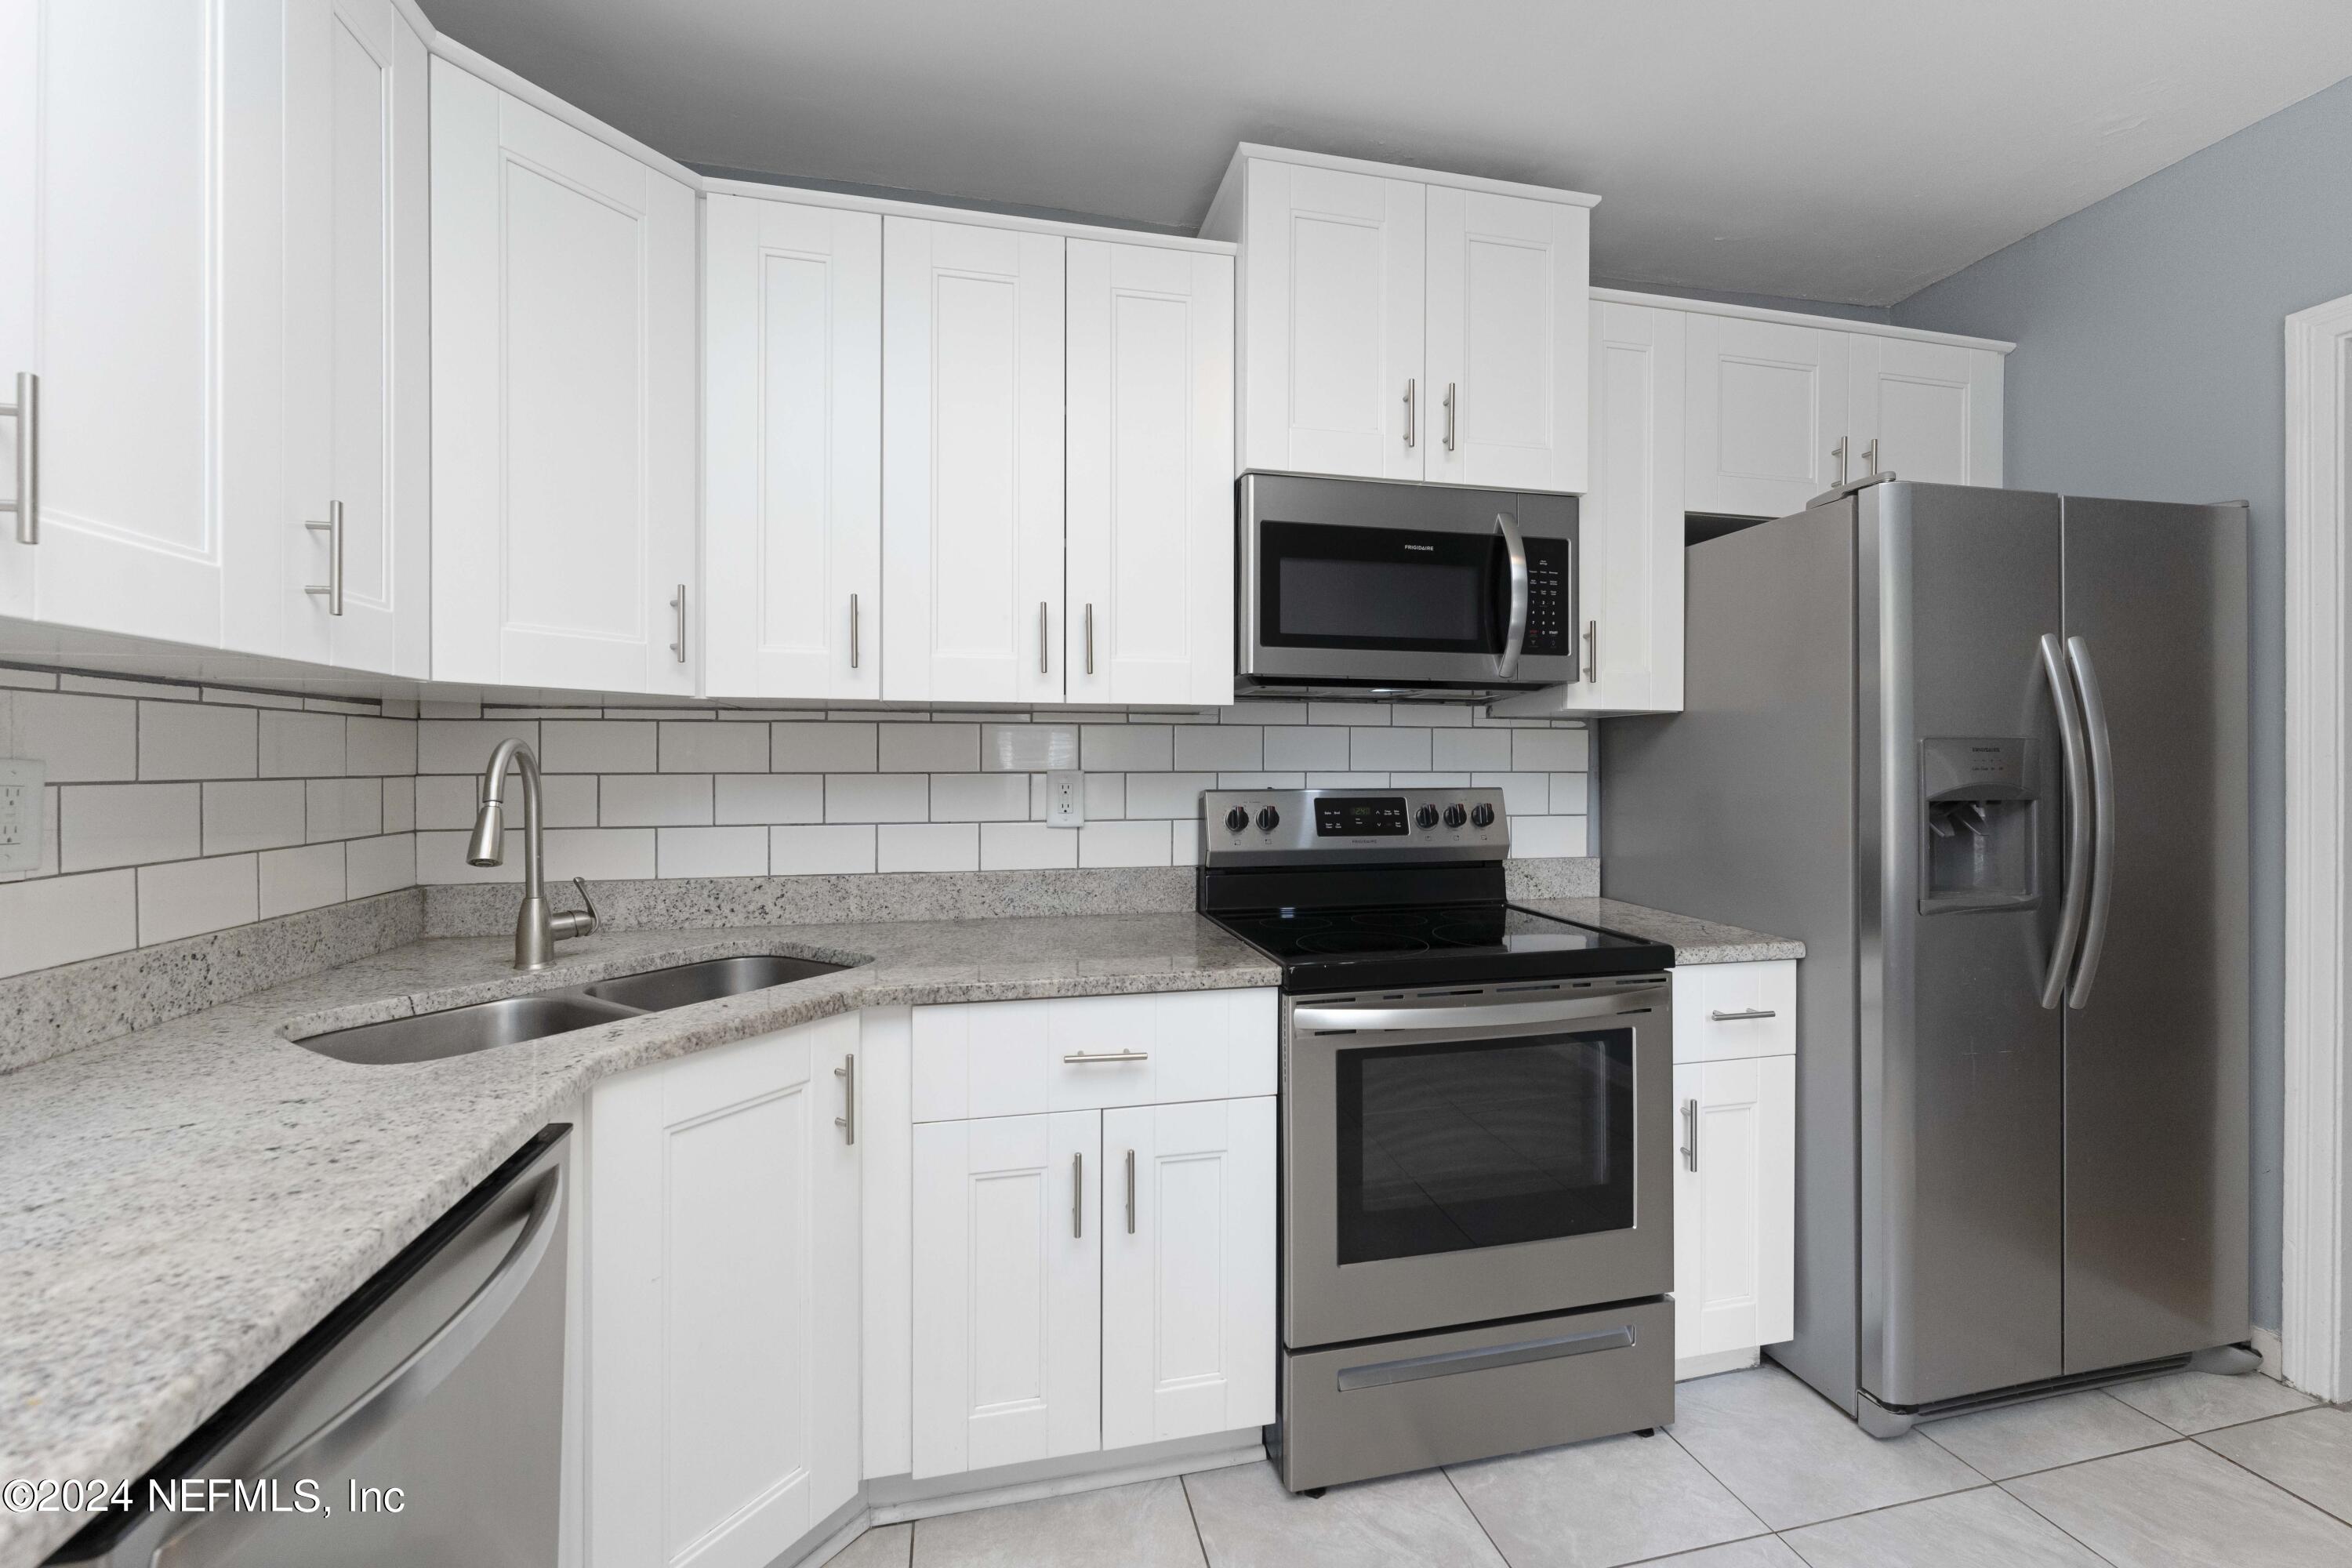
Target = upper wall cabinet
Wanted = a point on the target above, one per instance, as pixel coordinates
(1930, 412)
(1403, 326)
(218, 209)
(1150, 490)
(792, 449)
(564, 406)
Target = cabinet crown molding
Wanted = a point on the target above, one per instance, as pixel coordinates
(1794, 318)
(1249, 150)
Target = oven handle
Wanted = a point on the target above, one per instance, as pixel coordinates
(1451, 1363)
(1473, 1016)
(1515, 635)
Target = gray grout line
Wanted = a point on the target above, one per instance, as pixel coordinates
(1455, 1487)
(1183, 1484)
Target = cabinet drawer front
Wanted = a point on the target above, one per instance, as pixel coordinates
(1723, 1012)
(1086, 1053)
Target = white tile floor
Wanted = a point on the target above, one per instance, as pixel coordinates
(1757, 1472)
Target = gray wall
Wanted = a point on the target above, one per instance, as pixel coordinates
(2149, 364)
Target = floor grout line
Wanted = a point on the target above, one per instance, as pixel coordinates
(2028, 1506)
(1500, 1556)
(1184, 1485)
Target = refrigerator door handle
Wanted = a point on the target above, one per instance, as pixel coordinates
(2102, 793)
(2078, 827)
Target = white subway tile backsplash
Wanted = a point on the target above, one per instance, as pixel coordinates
(1429, 780)
(188, 897)
(256, 813)
(399, 805)
(595, 746)
(1387, 750)
(344, 808)
(303, 879)
(448, 800)
(1528, 794)
(1167, 795)
(381, 746)
(569, 799)
(1569, 794)
(1302, 746)
(655, 800)
(1534, 837)
(1261, 781)
(81, 738)
(687, 748)
(1027, 748)
(1026, 847)
(61, 920)
(1123, 844)
(826, 849)
(128, 824)
(464, 745)
(878, 797)
(1551, 750)
(1438, 715)
(1263, 713)
(599, 854)
(1347, 780)
(930, 748)
(822, 748)
(1222, 749)
(1347, 713)
(372, 866)
(770, 797)
(302, 745)
(191, 740)
(977, 797)
(1125, 748)
(927, 846)
(1483, 749)
(711, 851)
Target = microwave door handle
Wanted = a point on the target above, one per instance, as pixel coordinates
(1515, 633)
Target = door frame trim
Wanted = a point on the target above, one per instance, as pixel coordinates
(2315, 1332)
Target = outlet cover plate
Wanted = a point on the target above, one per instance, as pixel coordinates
(20, 813)
(1065, 798)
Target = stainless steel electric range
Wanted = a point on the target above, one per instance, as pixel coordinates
(1476, 1203)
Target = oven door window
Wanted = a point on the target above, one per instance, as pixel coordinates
(1329, 585)
(1442, 1148)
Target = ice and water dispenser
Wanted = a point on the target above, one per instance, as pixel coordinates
(1978, 800)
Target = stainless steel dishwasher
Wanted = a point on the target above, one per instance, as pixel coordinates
(420, 1423)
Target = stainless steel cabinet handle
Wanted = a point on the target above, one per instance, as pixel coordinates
(679, 605)
(332, 590)
(1449, 416)
(847, 1120)
(1870, 456)
(1514, 636)
(1743, 1012)
(1838, 451)
(1408, 411)
(1043, 627)
(1077, 1195)
(1592, 651)
(1075, 1056)
(1090, 640)
(1690, 1134)
(26, 412)
(1130, 1192)
(853, 631)
(2102, 802)
(2079, 822)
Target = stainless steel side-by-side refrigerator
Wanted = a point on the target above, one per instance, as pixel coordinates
(1985, 752)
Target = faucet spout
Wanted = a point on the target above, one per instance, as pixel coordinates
(537, 929)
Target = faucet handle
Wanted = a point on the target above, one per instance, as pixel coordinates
(573, 923)
(589, 903)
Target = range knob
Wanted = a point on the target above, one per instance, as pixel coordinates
(1237, 819)
(1455, 816)
(1268, 819)
(1425, 818)
(1482, 816)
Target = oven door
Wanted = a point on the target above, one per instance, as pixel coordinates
(1346, 582)
(1456, 1156)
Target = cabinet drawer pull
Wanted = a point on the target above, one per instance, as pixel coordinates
(1690, 1134)
(1449, 416)
(1078, 1196)
(1408, 411)
(847, 1120)
(1130, 1192)
(679, 605)
(1076, 1056)
(26, 412)
(1743, 1014)
(332, 590)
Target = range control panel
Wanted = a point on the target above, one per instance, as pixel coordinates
(1323, 826)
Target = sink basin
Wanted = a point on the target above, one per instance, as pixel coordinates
(428, 1037)
(658, 990)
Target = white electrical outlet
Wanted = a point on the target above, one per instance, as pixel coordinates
(1065, 798)
(20, 814)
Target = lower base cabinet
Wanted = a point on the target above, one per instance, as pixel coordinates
(722, 1324)
(1735, 1205)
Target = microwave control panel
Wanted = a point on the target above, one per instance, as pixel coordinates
(1548, 605)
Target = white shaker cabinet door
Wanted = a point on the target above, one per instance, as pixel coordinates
(793, 471)
(141, 282)
(1188, 1270)
(972, 449)
(1007, 1290)
(564, 406)
(1151, 473)
(723, 1301)
(1767, 403)
(1735, 1205)
(1332, 322)
(358, 285)
(1934, 409)
(1508, 322)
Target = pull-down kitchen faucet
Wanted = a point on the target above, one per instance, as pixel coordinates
(536, 930)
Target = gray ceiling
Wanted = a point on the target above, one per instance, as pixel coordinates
(1842, 150)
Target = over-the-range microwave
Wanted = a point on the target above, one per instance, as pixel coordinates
(1364, 588)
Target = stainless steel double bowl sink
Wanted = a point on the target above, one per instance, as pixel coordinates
(460, 1031)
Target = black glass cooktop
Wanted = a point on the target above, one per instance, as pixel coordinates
(1323, 949)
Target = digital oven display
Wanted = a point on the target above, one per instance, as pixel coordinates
(1360, 816)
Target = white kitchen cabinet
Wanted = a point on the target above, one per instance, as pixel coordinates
(723, 1301)
(143, 169)
(792, 453)
(1400, 325)
(565, 403)
(1007, 1240)
(358, 341)
(1188, 1340)
(1507, 339)
(973, 460)
(1735, 1205)
(1767, 400)
(1934, 409)
(1086, 1053)
(1149, 475)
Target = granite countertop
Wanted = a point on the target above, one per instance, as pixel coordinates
(183, 1203)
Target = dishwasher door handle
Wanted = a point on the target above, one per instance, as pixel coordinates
(209, 1538)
